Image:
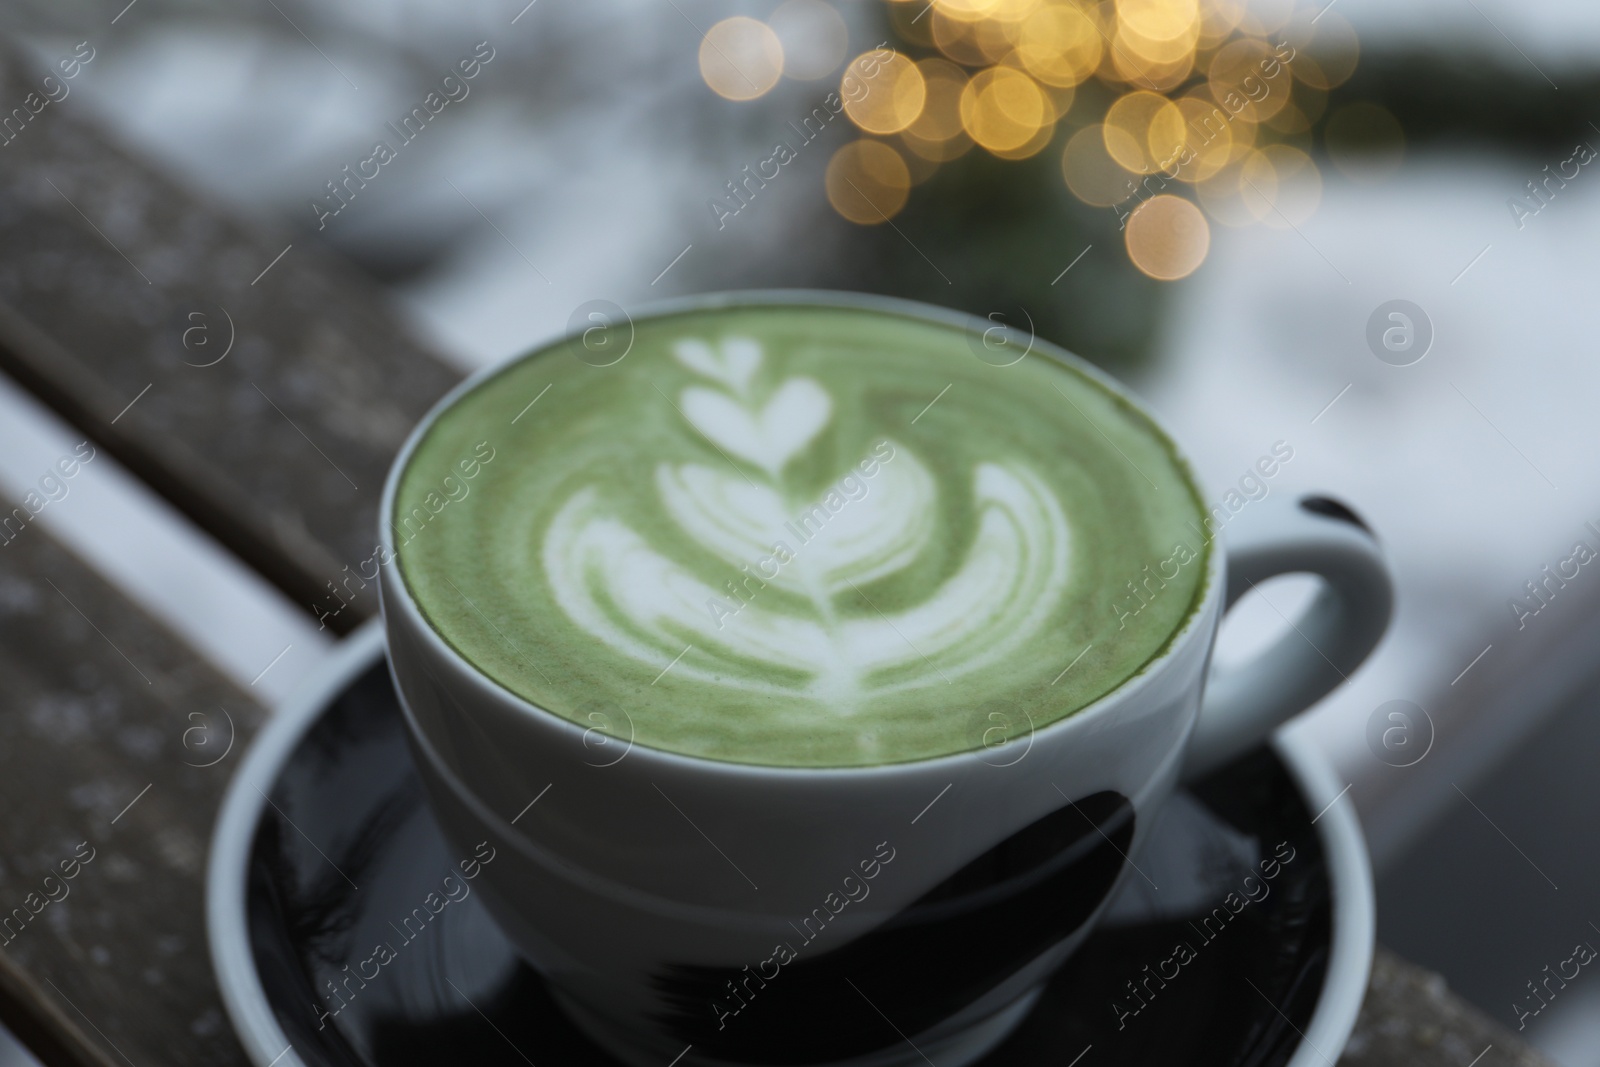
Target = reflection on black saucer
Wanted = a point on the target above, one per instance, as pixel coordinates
(941, 953)
(362, 854)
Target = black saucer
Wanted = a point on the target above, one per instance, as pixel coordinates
(347, 847)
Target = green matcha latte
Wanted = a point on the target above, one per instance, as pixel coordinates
(800, 535)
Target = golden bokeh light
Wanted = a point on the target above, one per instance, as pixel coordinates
(962, 41)
(1155, 42)
(1225, 96)
(1092, 175)
(1160, 51)
(867, 182)
(1209, 121)
(1058, 98)
(1127, 65)
(1167, 237)
(1245, 136)
(1003, 109)
(937, 151)
(1307, 71)
(1058, 43)
(1219, 19)
(1144, 131)
(813, 36)
(1249, 79)
(740, 58)
(1031, 147)
(883, 95)
(940, 118)
(1327, 49)
(1159, 20)
(937, 133)
(967, 10)
(1013, 11)
(1208, 140)
(993, 39)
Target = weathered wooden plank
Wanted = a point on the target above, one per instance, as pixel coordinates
(118, 286)
(42, 1027)
(107, 724)
(1410, 1019)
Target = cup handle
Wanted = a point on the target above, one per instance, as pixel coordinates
(1331, 638)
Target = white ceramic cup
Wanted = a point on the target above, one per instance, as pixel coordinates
(870, 916)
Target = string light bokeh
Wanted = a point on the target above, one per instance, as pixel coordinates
(1175, 114)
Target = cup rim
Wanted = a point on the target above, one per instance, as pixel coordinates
(1195, 625)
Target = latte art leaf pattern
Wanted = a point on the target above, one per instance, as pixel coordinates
(768, 437)
(619, 588)
(757, 536)
(877, 535)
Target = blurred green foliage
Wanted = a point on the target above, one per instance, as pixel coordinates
(1478, 100)
(985, 236)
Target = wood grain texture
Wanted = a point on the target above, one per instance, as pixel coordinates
(1411, 1019)
(103, 707)
(117, 284)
